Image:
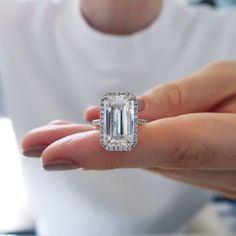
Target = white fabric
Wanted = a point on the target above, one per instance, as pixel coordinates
(53, 65)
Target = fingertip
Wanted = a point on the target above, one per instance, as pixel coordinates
(91, 113)
(75, 147)
(141, 103)
(26, 140)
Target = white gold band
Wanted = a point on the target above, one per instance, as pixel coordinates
(98, 122)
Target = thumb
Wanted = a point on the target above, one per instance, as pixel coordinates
(200, 92)
(160, 102)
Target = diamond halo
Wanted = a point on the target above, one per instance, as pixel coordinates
(118, 122)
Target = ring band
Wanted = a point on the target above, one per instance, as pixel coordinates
(119, 121)
(140, 122)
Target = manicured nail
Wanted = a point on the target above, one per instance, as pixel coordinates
(35, 151)
(61, 164)
(141, 104)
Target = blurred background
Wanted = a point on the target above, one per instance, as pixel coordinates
(218, 217)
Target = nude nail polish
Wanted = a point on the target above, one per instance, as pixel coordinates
(141, 104)
(35, 151)
(62, 164)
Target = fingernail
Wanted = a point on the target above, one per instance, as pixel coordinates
(61, 164)
(35, 151)
(141, 104)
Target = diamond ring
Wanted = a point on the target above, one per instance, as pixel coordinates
(119, 121)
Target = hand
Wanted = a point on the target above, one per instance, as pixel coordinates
(191, 136)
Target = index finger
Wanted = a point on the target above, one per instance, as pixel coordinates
(178, 142)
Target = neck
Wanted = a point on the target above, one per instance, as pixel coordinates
(120, 16)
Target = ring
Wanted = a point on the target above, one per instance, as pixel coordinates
(119, 121)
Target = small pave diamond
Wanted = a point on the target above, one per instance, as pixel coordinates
(118, 122)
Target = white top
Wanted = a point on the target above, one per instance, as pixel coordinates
(53, 65)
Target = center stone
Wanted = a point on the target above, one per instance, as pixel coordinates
(119, 121)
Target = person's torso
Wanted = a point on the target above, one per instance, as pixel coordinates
(47, 74)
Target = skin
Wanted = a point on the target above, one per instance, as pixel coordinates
(120, 17)
(191, 136)
(192, 133)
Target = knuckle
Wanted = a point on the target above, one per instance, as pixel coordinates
(172, 96)
(192, 155)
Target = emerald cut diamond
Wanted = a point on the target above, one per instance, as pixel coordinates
(119, 122)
